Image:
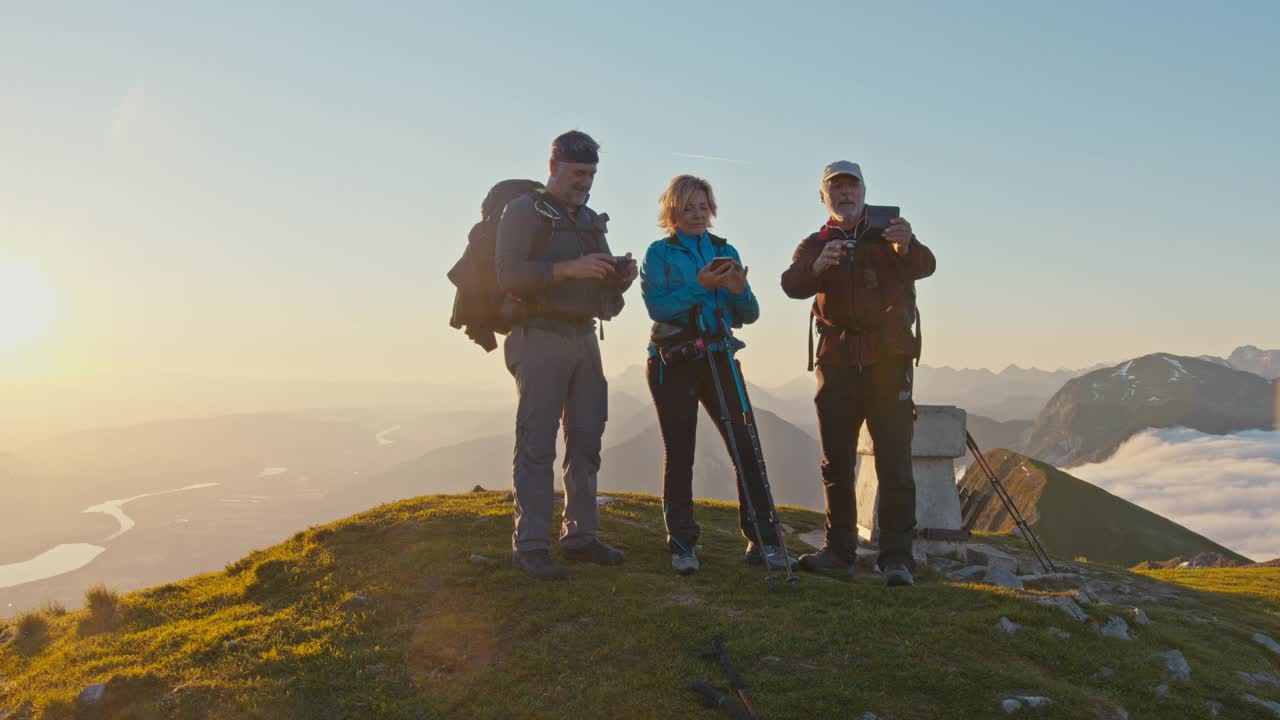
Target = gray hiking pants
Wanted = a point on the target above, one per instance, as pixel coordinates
(558, 376)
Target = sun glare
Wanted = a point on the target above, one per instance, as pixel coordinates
(26, 306)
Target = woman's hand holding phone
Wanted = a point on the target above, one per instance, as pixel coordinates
(717, 273)
(736, 282)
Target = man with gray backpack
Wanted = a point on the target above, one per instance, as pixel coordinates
(557, 276)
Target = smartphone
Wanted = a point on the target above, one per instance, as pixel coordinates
(717, 264)
(878, 216)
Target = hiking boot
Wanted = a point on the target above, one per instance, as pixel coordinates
(827, 561)
(897, 576)
(684, 563)
(593, 552)
(537, 564)
(778, 560)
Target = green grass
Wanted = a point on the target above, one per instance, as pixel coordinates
(1255, 588)
(285, 633)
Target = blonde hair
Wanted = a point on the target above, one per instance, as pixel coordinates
(678, 192)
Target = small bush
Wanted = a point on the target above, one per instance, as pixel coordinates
(105, 610)
(53, 609)
(33, 626)
(103, 603)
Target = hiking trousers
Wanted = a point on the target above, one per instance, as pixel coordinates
(559, 379)
(879, 393)
(677, 391)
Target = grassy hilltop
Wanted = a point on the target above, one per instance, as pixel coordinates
(388, 615)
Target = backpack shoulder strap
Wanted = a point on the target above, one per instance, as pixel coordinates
(550, 215)
(810, 341)
(915, 306)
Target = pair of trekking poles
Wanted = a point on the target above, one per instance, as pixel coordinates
(1023, 527)
(705, 343)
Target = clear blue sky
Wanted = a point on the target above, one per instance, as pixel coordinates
(278, 191)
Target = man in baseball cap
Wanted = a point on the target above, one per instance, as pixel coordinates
(862, 278)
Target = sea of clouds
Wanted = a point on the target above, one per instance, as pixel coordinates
(1225, 487)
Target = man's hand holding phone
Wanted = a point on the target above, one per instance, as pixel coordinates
(626, 269)
(898, 235)
(596, 266)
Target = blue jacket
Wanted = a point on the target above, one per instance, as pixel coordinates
(669, 283)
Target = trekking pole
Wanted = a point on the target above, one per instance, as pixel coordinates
(749, 420)
(1027, 534)
(735, 682)
(743, 488)
(714, 698)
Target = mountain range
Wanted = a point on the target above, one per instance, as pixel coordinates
(1093, 414)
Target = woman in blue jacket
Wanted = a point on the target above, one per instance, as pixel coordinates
(690, 297)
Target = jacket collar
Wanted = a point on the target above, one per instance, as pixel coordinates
(716, 240)
(832, 229)
(558, 208)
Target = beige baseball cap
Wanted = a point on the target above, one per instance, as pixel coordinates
(841, 167)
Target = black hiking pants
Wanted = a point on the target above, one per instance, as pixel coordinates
(677, 391)
(880, 394)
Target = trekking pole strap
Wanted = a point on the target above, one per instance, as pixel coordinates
(737, 381)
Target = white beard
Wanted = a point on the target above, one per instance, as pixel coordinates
(847, 212)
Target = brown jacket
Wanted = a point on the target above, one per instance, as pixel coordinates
(865, 309)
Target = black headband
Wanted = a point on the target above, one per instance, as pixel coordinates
(586, 155)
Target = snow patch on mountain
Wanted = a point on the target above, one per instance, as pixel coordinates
(1178, 370)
